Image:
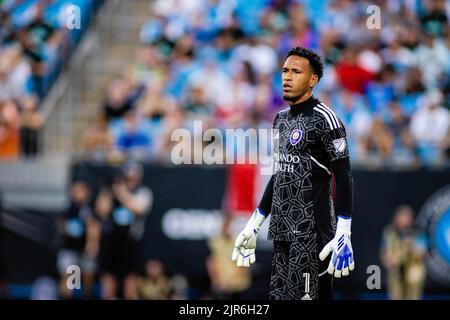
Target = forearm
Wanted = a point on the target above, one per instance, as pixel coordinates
(265, 205)
(92, 232)
(131, 203)
(92, 237)
(344, 187)
(103, 204)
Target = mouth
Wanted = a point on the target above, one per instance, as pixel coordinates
(287, 88)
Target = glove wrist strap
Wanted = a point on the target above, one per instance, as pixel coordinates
(344, 224)
(256, 220)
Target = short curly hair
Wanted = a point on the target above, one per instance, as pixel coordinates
(314, 59)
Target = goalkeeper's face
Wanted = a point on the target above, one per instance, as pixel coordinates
(298, 78)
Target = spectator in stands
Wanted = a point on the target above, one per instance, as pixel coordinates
(356, 117)
(133, 137)
(397, 121)
(6, 27)
(155, 285)
(405, 149)
(97, 142)
(122, 207)
(15, 74)
(379, 143)
(429, 127)
(380, 92)
(31, 121)
(227, 280)
(175, 119)
(117, 102)
(350, 74)
(402, 254)
(432, 59)
(154, 102)
(9, 131)
(41, 42)
(80, 232)
(435, 20)
(398, 56)
(412, 89)
(197, 105)
(218, 85)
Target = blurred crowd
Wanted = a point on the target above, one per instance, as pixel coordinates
(103, 235)
(219, 61)
(34, 45)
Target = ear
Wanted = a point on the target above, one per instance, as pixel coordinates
(313, 81)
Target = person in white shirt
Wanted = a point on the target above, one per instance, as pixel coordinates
(430, 123)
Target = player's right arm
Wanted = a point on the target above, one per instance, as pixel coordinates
(245, 244)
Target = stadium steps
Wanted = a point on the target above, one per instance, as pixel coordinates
(93, 95)
(110, 61)
(108, 46)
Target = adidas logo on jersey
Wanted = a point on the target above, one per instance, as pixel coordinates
(306, 297)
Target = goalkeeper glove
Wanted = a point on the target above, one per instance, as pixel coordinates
(342, 257)
(245, 245)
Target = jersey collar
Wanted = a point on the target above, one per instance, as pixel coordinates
(304, 106)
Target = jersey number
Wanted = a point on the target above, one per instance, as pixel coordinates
(306, 276)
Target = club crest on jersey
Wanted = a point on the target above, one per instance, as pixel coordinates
(339, 145)
(295, 137)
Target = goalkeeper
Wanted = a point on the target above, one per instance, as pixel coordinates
(311, 238)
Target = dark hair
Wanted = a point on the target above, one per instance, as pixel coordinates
(314, 59)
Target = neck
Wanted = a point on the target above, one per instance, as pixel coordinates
(302, 98)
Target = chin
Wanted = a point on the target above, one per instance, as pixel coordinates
(289, 98)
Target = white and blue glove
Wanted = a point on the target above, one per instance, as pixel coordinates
(245, 244)
(342, 257)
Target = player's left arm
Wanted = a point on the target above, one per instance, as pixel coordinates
(336, 148)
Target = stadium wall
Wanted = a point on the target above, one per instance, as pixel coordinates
(187, 211)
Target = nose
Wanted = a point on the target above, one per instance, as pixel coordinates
(287, 79)
(287, 76)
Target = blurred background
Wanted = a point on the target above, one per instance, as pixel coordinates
(91, 91)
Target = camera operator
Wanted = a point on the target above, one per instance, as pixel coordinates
(122, 207)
